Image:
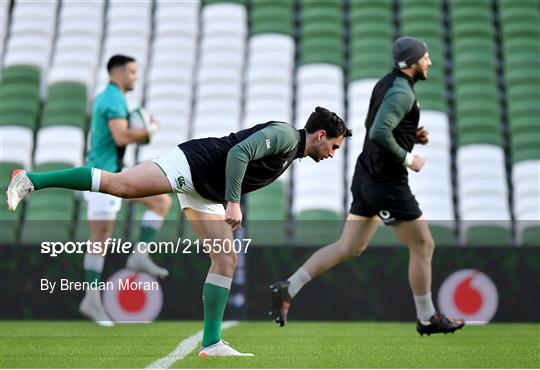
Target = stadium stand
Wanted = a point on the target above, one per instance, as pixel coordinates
(371, 36)
(484, 209)
(207, 68)
(269, 92)
(219, 78)
(318, 188)
(521, 56)
(424, 19)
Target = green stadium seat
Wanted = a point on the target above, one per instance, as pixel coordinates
(474, 76)
(48, 217)
(266, 215)
(385, 237)
(26, 92)
(9, 221)
(521, 75)
(443, 236)
(472, 29)
(475, 60)
(322, 29)
(520, 29)
(210, 2)
(519, 45)
(524, 146)
(317, 228)
(9, 225)
(67, 90)
(21, 74)
(488, 236)
(316, 15)
(530, 236)
(427, 14)
(272, 17)
(423, 31)
(523, 108)
(367, 6)
(523, 92)
(321, 50)
(471, 14)
(377, 18)
(362, 71)
(523, 60)
(272, 27)
(524, 125)
(372, 29)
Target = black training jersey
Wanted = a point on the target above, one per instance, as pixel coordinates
(391, 126)
(223, 168)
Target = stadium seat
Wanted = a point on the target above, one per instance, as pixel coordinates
(60, 144)
(19, 96)
(81, 227)
(525, 179)
(170, 76)
(482, 191)
(66, 105)
(317, 227)
(385, 237)
(17, 143)
(223, 24)
(50, 212)
(31, 34)
(10, 221)
(488, 236)
(267, 214)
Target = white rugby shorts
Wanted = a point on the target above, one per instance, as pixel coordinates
(176, 167)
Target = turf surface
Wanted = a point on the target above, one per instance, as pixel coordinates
(32, 344)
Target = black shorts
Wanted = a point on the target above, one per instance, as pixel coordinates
(393, 203)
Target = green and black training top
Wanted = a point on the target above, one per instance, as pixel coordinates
(391, 125)
(224, 168)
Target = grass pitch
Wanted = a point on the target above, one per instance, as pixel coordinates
(82, 344)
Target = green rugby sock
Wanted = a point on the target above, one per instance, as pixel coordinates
(150, 224)
(93, 266)
(215, 293)
(92, 276)
(78, 178)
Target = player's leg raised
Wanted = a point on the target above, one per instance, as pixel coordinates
(140, 181)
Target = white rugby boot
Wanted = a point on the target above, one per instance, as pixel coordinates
(19, 187)
(92, 308)
(141, 262)
(221, 348)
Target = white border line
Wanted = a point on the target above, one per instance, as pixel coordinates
(184, 348)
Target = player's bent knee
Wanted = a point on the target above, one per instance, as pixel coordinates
(425, 248)
(358, 249)
(351, 249)
(225, 260)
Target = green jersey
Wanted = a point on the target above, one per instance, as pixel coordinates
(103, 152)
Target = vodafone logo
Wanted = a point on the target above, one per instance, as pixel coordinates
(469, 294)
(136, 297)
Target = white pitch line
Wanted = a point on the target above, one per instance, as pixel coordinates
(184, 348)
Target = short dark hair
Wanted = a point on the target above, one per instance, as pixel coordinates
(323, 119)
(118, 61)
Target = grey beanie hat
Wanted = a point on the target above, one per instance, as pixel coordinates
(407, 51)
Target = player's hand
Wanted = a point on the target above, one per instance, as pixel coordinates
(422, 135)
(417, 163)
(233, 215)
(153, 127)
